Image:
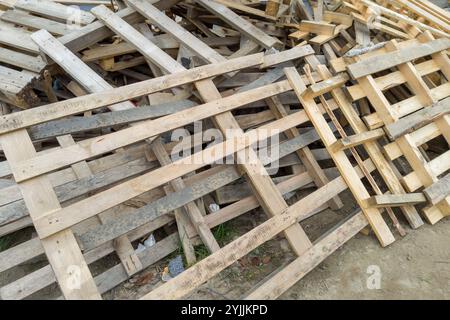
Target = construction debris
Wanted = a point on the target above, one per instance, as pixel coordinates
(137, 128)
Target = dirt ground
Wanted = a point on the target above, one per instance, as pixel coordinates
(414, 267)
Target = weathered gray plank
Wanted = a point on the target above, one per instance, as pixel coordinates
(418, 119)
(16, 210)
(104, 120)
(385, 61)
(439, 190)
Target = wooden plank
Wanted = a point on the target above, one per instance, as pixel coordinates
(61, 249)
(24, 61)
(357, 139)
(438, 191)
(108, 119)
(317, 27)
(36, 23)
(418, 119)
(327, 85)
(379, 63)
(240, 24)
(50, 9)
(18, 38)
(395, 200)
(14, 256)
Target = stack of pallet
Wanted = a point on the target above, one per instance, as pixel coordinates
(169, 118)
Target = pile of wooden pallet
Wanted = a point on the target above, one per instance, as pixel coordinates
(111, 113)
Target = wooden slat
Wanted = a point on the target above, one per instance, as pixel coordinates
(357, 139)
(50, 9)
(24, 61)
(438, 191)
(241, 24)
(395, 200)
(37, 23)
(71, 270)
(327, 85)
(382, 62)
(418, 119)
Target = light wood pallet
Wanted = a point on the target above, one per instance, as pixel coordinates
(278, 283)
(95, 196)
(407, 85)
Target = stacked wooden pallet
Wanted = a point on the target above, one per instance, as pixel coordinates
(137, 107)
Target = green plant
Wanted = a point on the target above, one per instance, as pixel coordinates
(222, 233)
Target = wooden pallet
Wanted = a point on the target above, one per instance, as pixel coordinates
(410, 68)
(93, 175)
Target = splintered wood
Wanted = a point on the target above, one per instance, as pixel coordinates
(138, 130)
